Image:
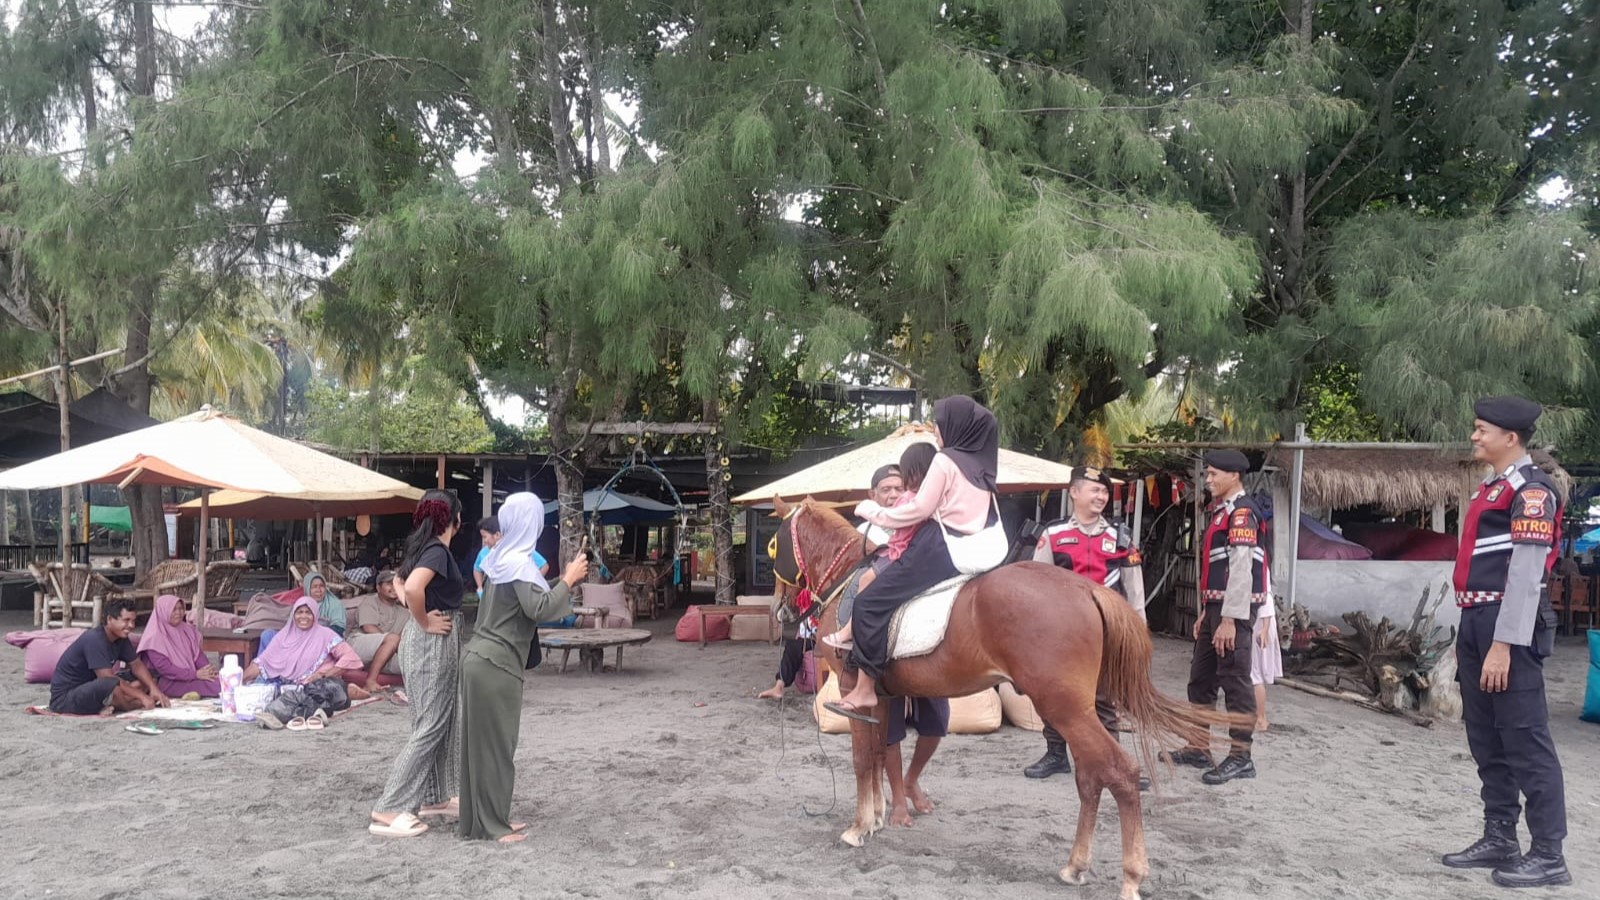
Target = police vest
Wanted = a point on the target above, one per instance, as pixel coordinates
(1097, 557)
(1520, 507)
(1233, 523)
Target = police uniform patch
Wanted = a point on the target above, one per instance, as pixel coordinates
(1108, 546)
(1134, 558)
(1242, 530)
(1533, 501)
(1495, 492)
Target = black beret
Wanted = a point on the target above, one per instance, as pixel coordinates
(1510, 413)
(882, 473)
(1091, 473)
(1228, 461)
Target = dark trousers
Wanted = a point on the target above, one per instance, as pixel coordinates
(1103, 709)
(925, 563)
(1228, 672)
(794, 656)
(1509, 732)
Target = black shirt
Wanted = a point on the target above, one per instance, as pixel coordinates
(445, 590)
(92, 650)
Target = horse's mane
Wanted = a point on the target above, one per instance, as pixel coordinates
(823, 527)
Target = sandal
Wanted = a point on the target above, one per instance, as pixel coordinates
(838, 707)
(192, 725)
(143, 728)
(832, 640)
(316, 722)
(404, 825)
(298, 723)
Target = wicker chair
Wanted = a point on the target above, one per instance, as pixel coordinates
(642, 585)
(75, 596)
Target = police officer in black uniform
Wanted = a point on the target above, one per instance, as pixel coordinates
(1510, 537)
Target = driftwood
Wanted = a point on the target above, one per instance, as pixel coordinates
(1357, 699)
(1393, 666)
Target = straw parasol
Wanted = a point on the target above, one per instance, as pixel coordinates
(845, 476)
(209, 451)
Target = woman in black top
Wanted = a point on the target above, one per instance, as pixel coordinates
(425, 775)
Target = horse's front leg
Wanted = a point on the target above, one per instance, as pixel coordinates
(867, 761)
(879, 738)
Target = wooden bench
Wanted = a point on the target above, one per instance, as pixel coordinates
(728, 612)
(224, 640)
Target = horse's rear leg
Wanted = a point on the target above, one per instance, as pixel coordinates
(1101, 764)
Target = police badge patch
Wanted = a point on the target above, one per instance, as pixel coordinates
(1495, 492)
(1533, 501)
(1108, 546)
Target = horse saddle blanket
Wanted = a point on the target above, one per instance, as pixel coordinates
(918, 627)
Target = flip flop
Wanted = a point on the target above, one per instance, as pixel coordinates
(837, 644)
(849, 712)
(298, 723)
(192, 725)
(404, 825)
(315, 723)
(143, 728)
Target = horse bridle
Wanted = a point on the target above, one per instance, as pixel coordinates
(804, 581)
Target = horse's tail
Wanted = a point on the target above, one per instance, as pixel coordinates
(1125, 678)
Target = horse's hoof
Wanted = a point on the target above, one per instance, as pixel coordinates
(853, 838)
(1079, 877)
(877, 825)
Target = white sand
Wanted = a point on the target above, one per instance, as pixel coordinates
(634, 791)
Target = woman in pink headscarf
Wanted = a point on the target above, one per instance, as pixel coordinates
(304, 651)
(171, 648)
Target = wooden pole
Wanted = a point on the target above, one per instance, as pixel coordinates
(1296, 476)
(49, 369)
(488, 487)
(64, 401)
(1138, 511)
(439, 473)
(200, 582)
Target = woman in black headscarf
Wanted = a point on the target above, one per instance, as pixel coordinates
(959, 494)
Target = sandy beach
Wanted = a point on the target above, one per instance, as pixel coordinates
(670, 780)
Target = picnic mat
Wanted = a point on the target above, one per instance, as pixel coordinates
(181, 711)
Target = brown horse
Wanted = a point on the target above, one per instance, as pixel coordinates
(1053, 634)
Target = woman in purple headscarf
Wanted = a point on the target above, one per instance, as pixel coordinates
(958, 493)
(171, 648)
(304, 651)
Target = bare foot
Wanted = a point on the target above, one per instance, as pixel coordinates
(357, 693)
(512, 838)
(449, 808)
(384, 818)
(1261, 725)
(772, 693)
(862, 702)
(899, 815)
(518, 827)
(372, 687)
(919, 800)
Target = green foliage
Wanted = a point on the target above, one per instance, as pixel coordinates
(422, 417)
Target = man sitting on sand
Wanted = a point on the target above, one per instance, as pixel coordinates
(86, 682)
(380, 618)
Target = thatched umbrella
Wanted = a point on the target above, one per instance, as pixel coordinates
(209, 451)
(845, 476)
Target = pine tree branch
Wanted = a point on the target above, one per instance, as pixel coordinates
(872, 49)
(345, 67)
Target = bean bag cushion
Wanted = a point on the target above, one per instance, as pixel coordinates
(1591, 699)
(829, 722)
(975, 713)
(688, 629)
(1018, 709)
(41, 650)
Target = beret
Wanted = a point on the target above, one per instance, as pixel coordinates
(1091, 473)
(1510, 413)
(1228, 461)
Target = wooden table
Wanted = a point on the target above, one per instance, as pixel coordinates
(225, 640)
(246, 642)
(727, 612)
(591, 644)
(599, 613)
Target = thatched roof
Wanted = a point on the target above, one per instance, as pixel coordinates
(844, 477)
(1394, 480)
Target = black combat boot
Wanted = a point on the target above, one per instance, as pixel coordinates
(1544, 865)
(1498, 847)
(1054, 762)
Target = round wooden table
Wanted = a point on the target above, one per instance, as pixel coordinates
(591, 644)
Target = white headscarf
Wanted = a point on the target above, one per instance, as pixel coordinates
(521, 520)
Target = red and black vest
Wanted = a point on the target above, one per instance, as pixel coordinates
(1234, 523)
(1518, 506)
(1097, 557)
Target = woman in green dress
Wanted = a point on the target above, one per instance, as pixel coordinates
(516, 597)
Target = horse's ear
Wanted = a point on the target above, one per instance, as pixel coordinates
(780, 508)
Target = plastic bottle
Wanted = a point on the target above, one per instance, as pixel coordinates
(231, 675)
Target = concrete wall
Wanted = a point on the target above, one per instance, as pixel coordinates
(1331, 588)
